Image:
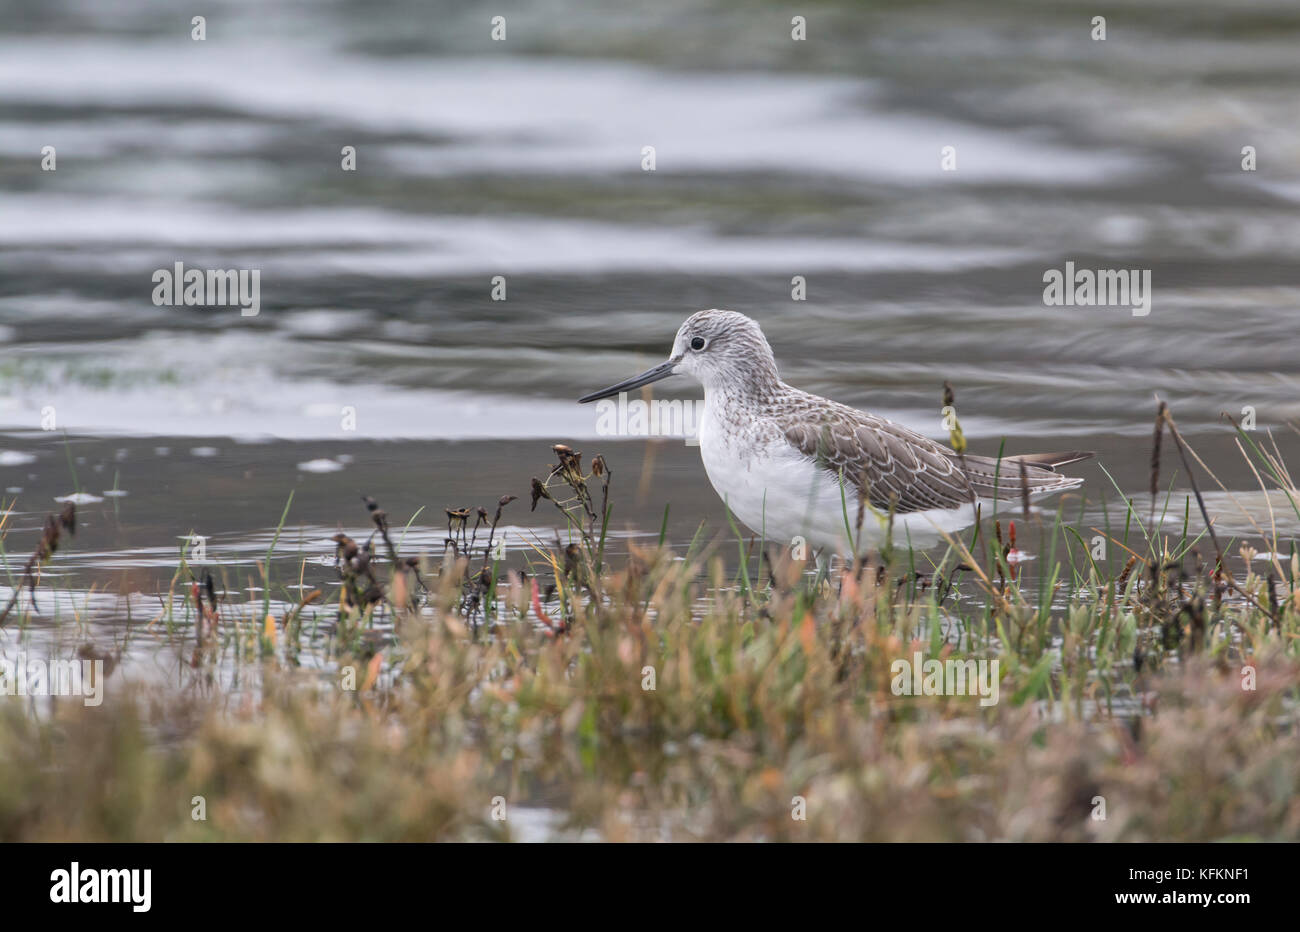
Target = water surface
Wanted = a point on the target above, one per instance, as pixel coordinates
(522, 159)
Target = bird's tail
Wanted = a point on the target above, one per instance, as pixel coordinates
(1049, 460)
(1003, 479)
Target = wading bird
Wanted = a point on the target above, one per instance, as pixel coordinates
(790, 464)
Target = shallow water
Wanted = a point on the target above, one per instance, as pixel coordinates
(522, 159)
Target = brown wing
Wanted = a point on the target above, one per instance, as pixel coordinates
(885, 461)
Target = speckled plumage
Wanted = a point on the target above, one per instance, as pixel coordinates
(789, 463)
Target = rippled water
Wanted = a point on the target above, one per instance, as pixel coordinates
(522, 159)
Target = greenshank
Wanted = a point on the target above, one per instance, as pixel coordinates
(794, 466)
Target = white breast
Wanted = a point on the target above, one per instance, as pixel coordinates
(778, 492)
(770, 487)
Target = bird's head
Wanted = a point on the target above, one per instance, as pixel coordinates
(723, 350)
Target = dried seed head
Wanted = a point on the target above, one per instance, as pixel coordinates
(570, 462)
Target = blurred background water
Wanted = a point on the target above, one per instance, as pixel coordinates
(523, 158)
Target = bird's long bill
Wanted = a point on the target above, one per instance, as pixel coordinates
(661, 371)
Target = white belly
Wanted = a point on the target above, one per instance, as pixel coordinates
(784, 496)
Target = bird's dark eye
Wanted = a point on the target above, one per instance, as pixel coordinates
(698, 343)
